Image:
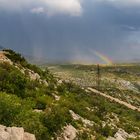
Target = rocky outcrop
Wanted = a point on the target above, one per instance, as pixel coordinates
(33, 75)
(111, 120)
(69, 133)
(122, 135)
(28, 136)
(84, 121)
(14, 133)
(38, 111)
(56, 97)
(60, 82)
(4, 59)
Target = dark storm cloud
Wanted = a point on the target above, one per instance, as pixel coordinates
(102, 26)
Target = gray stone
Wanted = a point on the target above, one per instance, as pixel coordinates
(69, 133)
(28, 136)
(14, 133)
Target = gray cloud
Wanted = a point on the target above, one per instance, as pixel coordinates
(37, 10)
(103, 27)
(49, 7)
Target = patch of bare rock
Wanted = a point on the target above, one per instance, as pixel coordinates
(111, 120)
(56, 97)
(14, 133)
(78, 117)
(4, 59)
(123, 84)
(37, 111)
(69, 133)
(122, 135)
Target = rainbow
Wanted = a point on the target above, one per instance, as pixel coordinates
(103, 58)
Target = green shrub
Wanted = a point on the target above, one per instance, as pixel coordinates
(56, 119)
(84, 136)
(10, 106)
(32, 122)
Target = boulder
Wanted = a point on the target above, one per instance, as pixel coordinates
(121, 135)
(14, 133)
(28, 136)
(3, 134)
(57, 98)
(86, 122)
(69, 133)
(37, 111)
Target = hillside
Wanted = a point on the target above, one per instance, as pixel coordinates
(54, 108)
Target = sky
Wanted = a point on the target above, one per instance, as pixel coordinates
(72, 30)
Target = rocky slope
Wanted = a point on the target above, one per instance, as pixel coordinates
(43, 107)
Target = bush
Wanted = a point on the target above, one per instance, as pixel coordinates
(15, 112)
(10, 106)
(56, 119)
(100, 137)
(32, 122)
(84, 136)
(107, 131)
(43, 101)
(12, 82)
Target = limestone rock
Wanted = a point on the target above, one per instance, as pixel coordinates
(4, 59)
(121, 135)
(3, 134)
(69, 133)
(78, 117)
(14, 133)
(60, 82)
(33, 75)
(28, 136)
(57, 98)
(37, 111)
